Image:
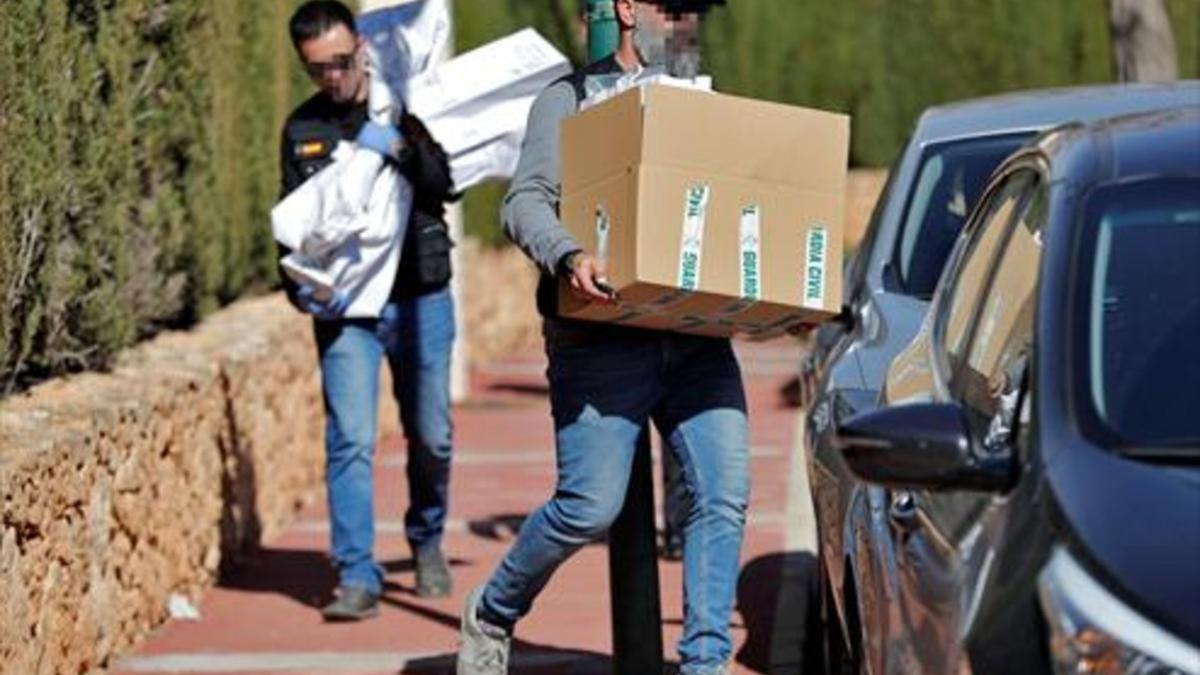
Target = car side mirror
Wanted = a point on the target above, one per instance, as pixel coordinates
(921, 446)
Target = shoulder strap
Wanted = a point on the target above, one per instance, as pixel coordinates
(578, 78)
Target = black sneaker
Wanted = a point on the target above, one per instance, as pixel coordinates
(433, 574)
(353, 603)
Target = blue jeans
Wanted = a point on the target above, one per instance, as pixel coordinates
(415, 336)
(604, 385)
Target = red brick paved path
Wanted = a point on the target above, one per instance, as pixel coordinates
(263, 616)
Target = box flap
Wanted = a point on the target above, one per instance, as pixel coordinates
(758, 140)
(589, 157)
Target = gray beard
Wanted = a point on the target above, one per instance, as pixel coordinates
(684, 64)
(655, 51)
(651, 48)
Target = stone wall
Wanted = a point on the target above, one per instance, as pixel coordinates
(120, 489)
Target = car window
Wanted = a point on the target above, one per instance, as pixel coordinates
(1142, 312)
(1008, 241)
(856, 273)
(948, 183)
(989, 380)
(969, 279)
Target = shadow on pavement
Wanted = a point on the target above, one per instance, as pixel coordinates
(527, 659)
(521, 388)
(500, 527)
(778, 644)
(304, 576)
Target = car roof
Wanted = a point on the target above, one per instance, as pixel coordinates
(1041, 109)
(1160, 143)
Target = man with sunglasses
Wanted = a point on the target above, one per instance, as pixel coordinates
(414, 331)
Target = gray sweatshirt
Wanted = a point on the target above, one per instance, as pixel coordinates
(530, 210)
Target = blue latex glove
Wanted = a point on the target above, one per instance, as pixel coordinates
(385, 140)
(331, 309)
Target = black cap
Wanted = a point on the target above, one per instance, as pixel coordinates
(687, 6)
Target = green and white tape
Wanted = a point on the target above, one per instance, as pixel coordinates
(815, 260)
(692, 244)
(749, 237)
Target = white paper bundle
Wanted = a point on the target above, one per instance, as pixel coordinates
(476, 105)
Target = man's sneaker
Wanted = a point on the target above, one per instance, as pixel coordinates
(433, 574)
(484, 647)
(353, 603)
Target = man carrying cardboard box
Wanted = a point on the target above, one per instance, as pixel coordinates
(605, 382)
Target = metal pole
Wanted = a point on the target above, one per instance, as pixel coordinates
(632, 557)
(633, 573)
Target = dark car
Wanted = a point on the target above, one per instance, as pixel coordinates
(1036, 457)
(932, 185)
(941, 172)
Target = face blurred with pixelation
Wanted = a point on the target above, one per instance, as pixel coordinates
(335, 62)
(665, 38)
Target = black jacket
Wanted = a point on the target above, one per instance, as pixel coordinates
(309, 137)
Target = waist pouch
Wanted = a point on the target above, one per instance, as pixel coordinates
(425, 259)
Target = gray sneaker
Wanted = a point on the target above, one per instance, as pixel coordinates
(433, 574)
(484, 647)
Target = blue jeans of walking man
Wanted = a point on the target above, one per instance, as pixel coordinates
(415, 336)
(604, 387)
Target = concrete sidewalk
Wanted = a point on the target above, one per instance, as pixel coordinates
(263, 616)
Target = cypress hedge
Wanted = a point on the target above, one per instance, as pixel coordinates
(139, 142)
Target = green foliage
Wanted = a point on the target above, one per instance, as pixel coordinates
(882, 61)
(1185, 23)
(478, 22)
(140, 162)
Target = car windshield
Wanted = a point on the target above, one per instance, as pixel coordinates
(948, 183)
(1144, 314)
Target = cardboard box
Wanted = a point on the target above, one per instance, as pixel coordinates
(717, 215)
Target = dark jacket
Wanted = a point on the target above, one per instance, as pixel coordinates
(309, 137)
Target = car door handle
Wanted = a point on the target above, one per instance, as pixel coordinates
(902, 510)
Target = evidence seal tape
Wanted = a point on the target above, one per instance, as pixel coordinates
(749, 238)
(815, 260)
(692, 244)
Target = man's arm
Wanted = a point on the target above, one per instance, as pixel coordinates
(424, 162)
(530, 210)
(289, 172)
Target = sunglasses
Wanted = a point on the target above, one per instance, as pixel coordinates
(340, 62)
